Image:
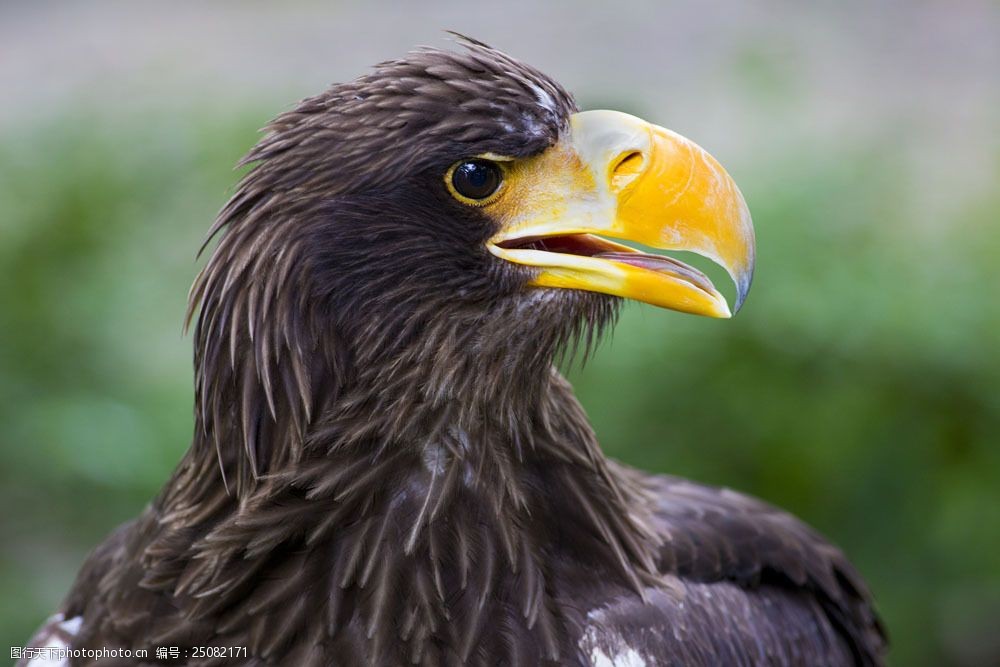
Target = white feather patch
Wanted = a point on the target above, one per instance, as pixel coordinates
(606, 648)
(54, 642)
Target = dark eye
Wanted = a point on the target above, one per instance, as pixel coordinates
(476, 179)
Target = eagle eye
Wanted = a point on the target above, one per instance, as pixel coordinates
(475, 180)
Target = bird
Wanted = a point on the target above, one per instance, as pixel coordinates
(387, 468)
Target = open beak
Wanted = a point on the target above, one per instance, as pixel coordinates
(618, 176)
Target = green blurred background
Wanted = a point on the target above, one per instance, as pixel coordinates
(858, 388)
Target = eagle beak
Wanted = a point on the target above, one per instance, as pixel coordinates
(618, 176)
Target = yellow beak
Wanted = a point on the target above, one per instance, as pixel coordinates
(618, 176)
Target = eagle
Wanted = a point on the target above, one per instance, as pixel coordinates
(388, 469)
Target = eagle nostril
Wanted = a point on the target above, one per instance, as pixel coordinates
(626, 169)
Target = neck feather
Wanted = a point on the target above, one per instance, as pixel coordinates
(469, 524)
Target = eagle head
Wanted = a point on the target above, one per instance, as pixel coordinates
(429, 236)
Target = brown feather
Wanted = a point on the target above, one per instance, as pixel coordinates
(386, 468)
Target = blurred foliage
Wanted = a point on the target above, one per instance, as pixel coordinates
(858, 388)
